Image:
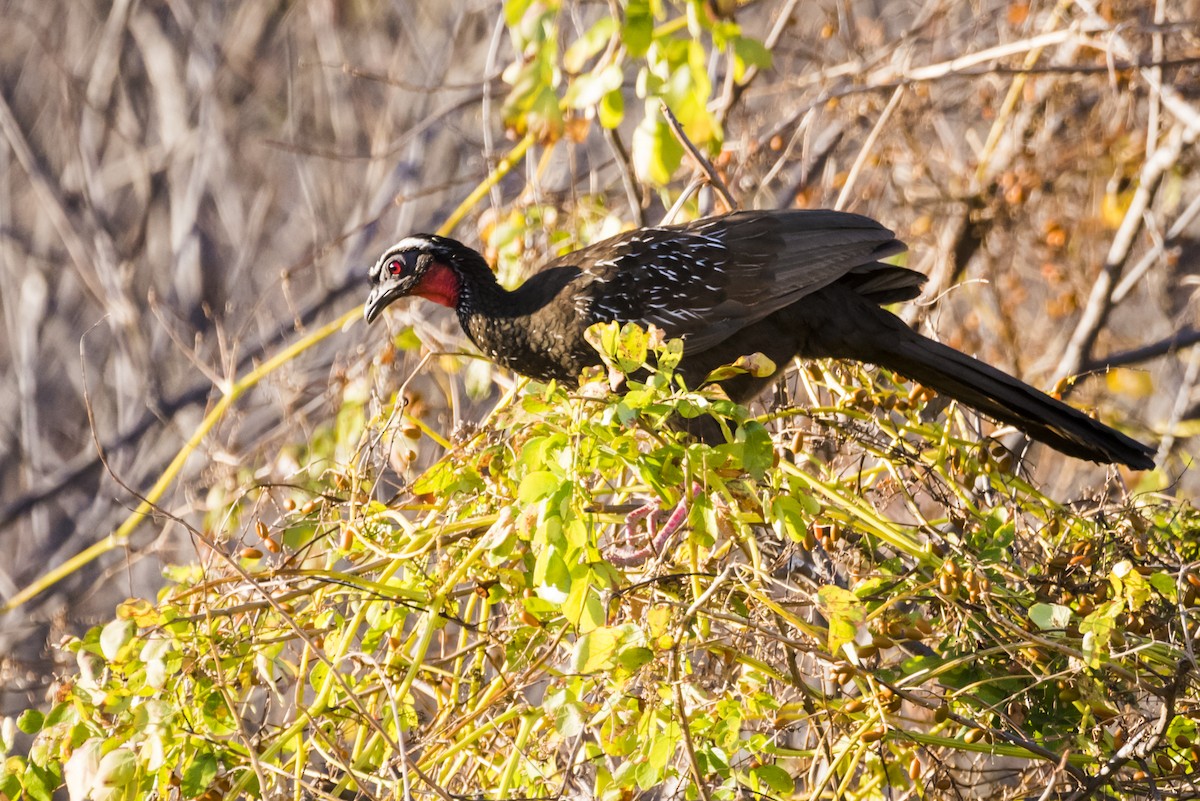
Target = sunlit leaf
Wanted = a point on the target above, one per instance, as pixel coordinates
(748, 53)
(1050, 616)
(589, 89)
(656, 153)
(611, 110)
(593, 40)
(1130, 382)
(596, 650)
(114, 637)
(638, 29)
(774, 778)
(845, 614)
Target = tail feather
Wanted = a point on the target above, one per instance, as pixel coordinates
(1004, 398)
(839, 322)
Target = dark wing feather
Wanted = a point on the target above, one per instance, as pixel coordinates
(706, 280)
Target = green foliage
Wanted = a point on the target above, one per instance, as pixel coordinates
(662, 48)
(503, 626)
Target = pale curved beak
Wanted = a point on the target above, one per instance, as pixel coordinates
(379, 299)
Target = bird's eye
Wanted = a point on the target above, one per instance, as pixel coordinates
(395, 267)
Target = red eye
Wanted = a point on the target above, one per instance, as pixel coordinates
(395, 267)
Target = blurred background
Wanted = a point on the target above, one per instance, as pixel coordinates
(186, 188)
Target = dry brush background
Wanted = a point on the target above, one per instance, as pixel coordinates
(185, 188)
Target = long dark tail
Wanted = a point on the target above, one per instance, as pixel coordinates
(883, 339)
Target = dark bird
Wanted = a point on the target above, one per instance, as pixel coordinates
(783, 283)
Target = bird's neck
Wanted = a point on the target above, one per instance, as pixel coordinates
(471, 289)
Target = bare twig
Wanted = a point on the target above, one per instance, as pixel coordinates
(869, 145)
(701, 163)
(689, 749)
(1152, 256)
(1099, 303)
(627, 177)
(1184, 338)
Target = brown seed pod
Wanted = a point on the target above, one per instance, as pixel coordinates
(873, 735)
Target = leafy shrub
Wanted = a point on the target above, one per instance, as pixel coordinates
(905, 613)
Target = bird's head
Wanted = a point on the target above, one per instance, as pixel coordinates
(424, 265)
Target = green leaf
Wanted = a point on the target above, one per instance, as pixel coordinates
(198, 775)
(114, 637)
(611, 110)
(597, 650)
(216, 714)
(845, 614)
(551, 576)
(788, 518)
(514, 11)
(117, 768)
(38, 783)
(756, 364)
(568, 720)
(633, 658)
(637, 32)
(775, 778)
(1050, 616)
(632, 348)
(1165, 584)
(758, 454)
(594, 40)
(669, 355)
(407, 339)
(663, 745)
(591, 88)
(656, 153)
(59, 713)
(544, 117)
(30, 721)
(537, 485)
(749, 52)
(447, 478)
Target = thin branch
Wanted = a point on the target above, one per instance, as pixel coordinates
(1184, 338)
(627, 178)
(1177, 230)
(1100, 300)
(689, 748)
(702, 164)
(868, 146)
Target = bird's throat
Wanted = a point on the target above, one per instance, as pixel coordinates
(440, 284)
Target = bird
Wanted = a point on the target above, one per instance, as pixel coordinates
(806, 283)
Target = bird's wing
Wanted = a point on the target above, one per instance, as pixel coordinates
(704, 281)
